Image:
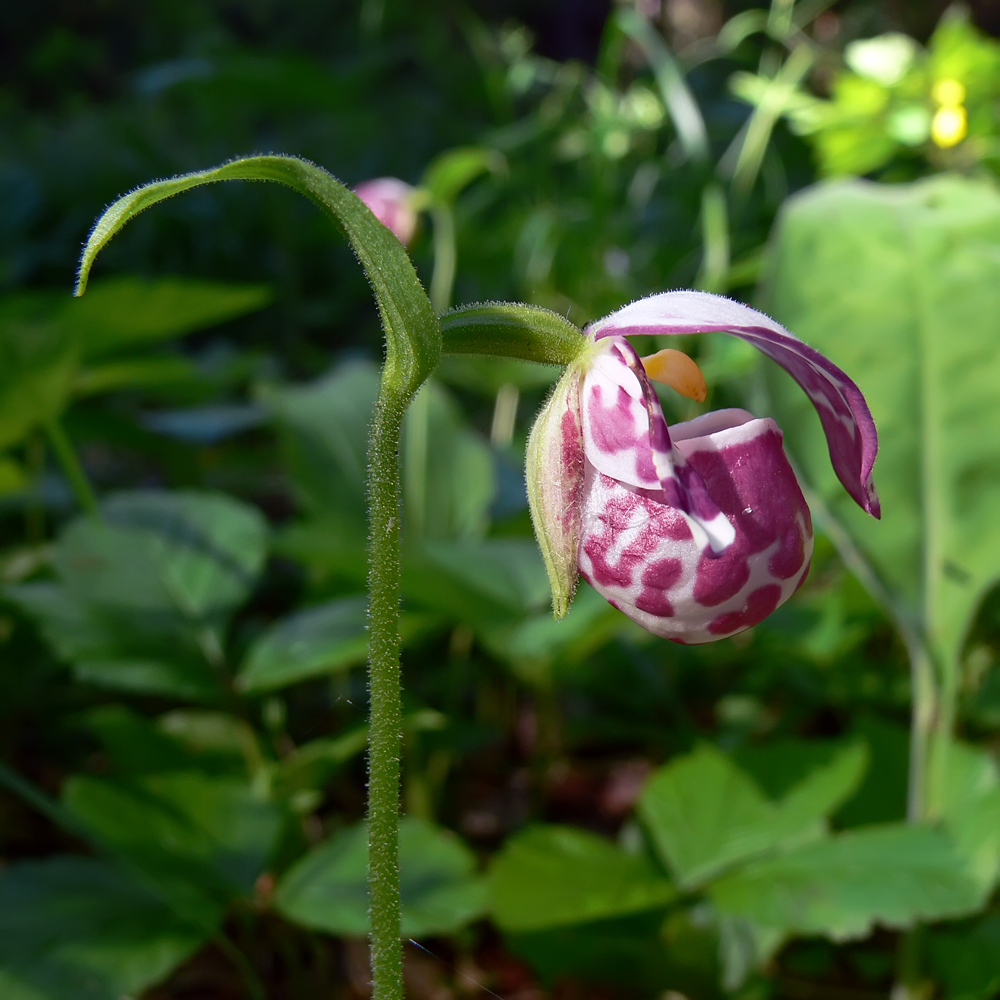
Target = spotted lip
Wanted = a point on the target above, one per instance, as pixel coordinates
(639, 552)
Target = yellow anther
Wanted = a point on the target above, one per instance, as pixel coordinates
(949, 93)
(676, 369)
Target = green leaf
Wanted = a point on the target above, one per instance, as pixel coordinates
(75, 928)
(556, 876)
(448, 470)
(313, 642)
(141, 591)
(899, 285)
(824, 789)
(327, 889)
(314, 763)
(476, 581)
(413, 338)
(193, 553)
(971, 809)
(704, 814)
(212, 742)
(309, 643)
(127, 311)
(894, 875)
(326, 440)
(199, 842)
(37, 364)
(125, 650)
(966, 958)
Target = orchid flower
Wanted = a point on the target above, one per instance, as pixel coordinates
(696, 531)
(392, 202)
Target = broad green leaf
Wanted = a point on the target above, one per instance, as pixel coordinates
(125, 312)
(141, 591)
(200, 842)
(313, 642)
(326, 437)
(705, 814)
(37, 364)
(413, 337)
(966, 958)
(122, 649)
(211, 742)
(894, 875)
(899, 285)
(76, 928)
(448, 470)
(556, 876)
(476, 581)
(824, 789)
(329, 547)
(313, 764)
(306, 644)
(328, 889)
(192, 553)
(971, 809)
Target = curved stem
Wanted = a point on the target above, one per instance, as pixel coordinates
(385, 732)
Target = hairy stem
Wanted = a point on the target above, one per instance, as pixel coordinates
(385, 732)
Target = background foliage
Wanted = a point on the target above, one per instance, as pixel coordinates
(590, 811)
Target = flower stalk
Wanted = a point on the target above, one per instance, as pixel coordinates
(385, 732)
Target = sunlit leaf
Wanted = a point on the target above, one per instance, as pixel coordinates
(705, 814)
(127, 311)
(893, 875)
(899, 285)
(554, 876)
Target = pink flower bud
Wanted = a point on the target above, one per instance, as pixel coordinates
(698, 531)
(391, 202)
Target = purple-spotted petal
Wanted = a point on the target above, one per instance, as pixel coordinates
(641, 555)
(847, 421)
(616, 431)
(625, 436)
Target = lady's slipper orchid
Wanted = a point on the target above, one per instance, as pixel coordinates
(698, 531)
(392, 203)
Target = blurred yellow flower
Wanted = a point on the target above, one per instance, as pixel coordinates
(949, 93)
(951, 122)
